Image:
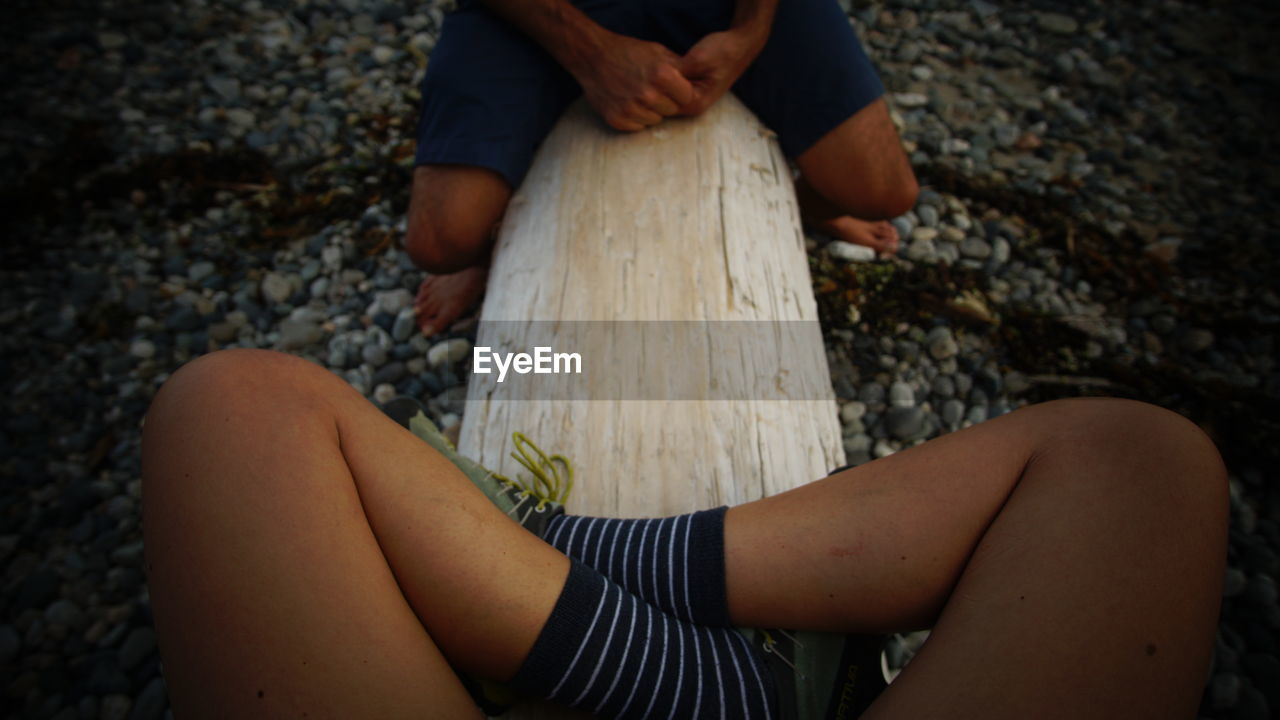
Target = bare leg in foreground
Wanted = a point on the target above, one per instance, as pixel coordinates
(308, 555)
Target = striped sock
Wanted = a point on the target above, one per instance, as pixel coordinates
(615, 655)
(675, 563)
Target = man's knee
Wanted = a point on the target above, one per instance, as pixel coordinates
(438, 248)
(452, 214)
(898, 197)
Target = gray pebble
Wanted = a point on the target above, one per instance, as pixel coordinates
(1197, 339)
(406, 323)
(1224, 691)
(319, 287)
(901, 395)
(903, 225)
(922, 251)
(129, 554)
(941, 343)
(200, 270)
(10, 643)
(310, 270)
(944, 386)
(853, 410)
(142, 349)
(139, 645)
(448, 352)
(1234, 583)
(1057, 23)
(390, 373)
(374, 354)
(1000, 251)
(872, 395)
(392, 302)
(948, 253)
(275, 288)
(298, 334)
(858, 443)
(1261, 590)
(1164, 323)
(1253, 705)
(928, 215)
(975, 248)
(849, 252)
(905, 423)
(151, 702)
(952, 412)
(924, 233)
(115, 707)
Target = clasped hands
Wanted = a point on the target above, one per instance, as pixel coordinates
(635, 83)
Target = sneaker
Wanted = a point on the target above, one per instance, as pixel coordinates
(532, 502)
(822, 676)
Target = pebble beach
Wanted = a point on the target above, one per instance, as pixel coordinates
(1099, 215)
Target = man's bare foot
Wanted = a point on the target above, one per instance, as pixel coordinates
(443, 298)
(879, 235)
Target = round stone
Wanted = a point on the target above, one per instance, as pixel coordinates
(275, 288)
(374, 354)
(975, 248)
(901, 395)
(853, 410)
(142, 349)
(952, 412)
(941, 343)
(448, 352)
(905, 423)
(944, 386)
(1224, 691)
(924, 233)
(849, 252)
(872, 394)
(384, 393)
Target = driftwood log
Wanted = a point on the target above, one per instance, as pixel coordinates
(672, 262)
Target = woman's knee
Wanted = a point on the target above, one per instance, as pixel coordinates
(249, 386)
(1167, 451)
(225, 376)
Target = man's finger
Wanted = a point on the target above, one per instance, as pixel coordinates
(659, 103)
(643, 115)
(674, 85)
(625, 124)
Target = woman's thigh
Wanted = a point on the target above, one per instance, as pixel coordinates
(271, 594)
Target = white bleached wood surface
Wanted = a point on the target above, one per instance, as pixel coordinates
(694, 220)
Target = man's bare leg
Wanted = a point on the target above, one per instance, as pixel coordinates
(855, 178)
(453, 212)
(307, 557)
(1069, 556)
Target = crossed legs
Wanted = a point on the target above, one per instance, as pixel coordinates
(307, 556)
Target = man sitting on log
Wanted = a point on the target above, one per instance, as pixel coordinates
(505, 70)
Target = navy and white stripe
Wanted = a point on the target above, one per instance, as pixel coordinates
(609, 652)
(675, 563)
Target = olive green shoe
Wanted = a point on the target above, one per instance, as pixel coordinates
(822, 676)
(532, 502)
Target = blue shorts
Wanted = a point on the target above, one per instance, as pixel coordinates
(491, 94)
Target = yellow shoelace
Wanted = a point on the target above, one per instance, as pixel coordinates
(552, 479)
